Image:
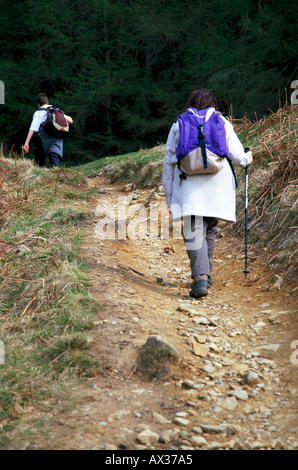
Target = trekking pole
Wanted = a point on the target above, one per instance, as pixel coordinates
(246, 271)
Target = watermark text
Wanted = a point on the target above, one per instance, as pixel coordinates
(294, 355)
(294, 95)
(138, 221)
(2, 93)
(2, 352)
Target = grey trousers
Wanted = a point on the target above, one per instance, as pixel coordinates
(200, 255)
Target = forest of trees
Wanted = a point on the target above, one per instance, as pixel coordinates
(124, 68)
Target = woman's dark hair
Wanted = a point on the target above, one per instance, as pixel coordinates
(42, 99)
(201, 99)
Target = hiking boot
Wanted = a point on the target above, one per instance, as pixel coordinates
(209, 282)
(199, 289)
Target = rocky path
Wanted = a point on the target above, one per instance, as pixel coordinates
(234, 384)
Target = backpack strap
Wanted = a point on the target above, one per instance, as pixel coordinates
(202, 144)
(233, 171)
(46, 109)
(182, 175)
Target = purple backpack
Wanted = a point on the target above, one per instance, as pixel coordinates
(202, 144)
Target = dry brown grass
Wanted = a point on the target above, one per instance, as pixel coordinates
(43, 285)
(273, 187)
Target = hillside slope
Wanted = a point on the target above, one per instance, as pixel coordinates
(77, 309)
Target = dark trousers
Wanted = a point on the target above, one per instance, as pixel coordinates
(54, 159)
(40, 156)
(201, 254)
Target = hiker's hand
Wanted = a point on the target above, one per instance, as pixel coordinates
(26, 148)
(249, 157)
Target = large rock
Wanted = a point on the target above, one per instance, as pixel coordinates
(156, 356)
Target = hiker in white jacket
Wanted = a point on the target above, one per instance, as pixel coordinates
(200, 200)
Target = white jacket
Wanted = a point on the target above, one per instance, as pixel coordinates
(209, 195)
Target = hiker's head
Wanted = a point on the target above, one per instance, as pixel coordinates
(42, 99)
(201, 99)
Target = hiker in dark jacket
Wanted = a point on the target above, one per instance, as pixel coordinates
(202, 199)
(45, 145)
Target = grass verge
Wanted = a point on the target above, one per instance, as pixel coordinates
(45, 306)
(140, 168)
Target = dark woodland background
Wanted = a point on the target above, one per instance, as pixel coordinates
(124, 68)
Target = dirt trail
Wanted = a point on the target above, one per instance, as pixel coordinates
(243, 324)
